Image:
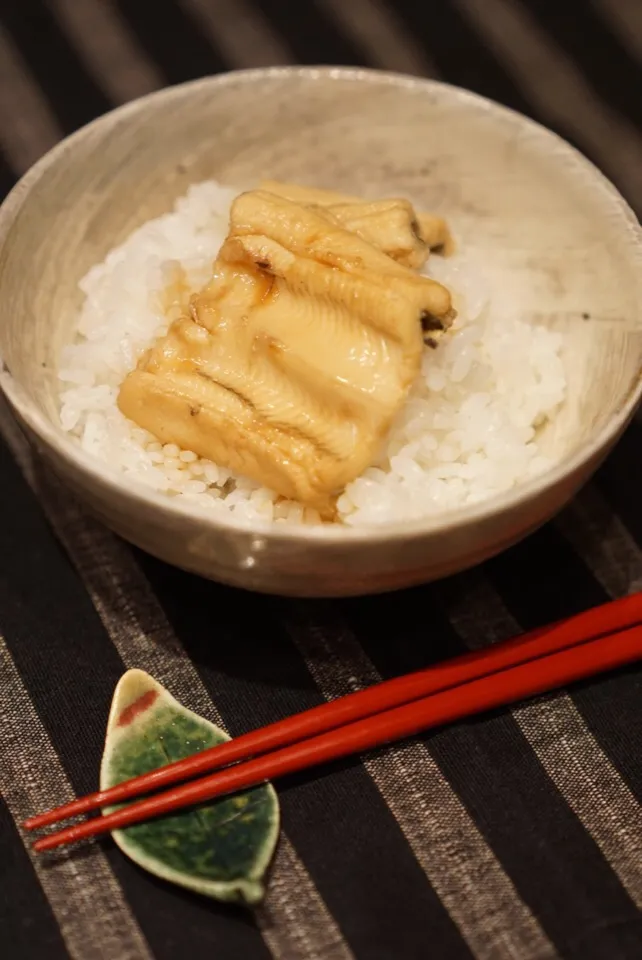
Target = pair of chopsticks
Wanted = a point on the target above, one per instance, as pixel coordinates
(592, 642)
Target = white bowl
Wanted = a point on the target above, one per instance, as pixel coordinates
(554, 234)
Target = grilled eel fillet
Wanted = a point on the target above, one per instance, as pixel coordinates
(291, 364)
(392, 225)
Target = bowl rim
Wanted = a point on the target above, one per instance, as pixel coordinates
(75, 458)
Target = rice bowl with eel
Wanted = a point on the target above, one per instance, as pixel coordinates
(547, 271)
(467, 431)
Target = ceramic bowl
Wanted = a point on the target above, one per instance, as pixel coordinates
(554, 235)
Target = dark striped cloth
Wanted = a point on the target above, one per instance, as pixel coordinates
(517, 836)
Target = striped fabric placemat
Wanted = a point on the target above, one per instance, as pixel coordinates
(513, 837)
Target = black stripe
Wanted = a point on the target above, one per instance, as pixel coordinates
(312, 37)
(28, 926)
(172, 40)
(72, 94)
(458, 53)
(70, 669)
(612, 711)
(7, 177)
(336, 818)
(583, 34)
(531, 830)
(619, 480)
(557, 584)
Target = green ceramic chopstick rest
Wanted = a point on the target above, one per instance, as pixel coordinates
(221, 849)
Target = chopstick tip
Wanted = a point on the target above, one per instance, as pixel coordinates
(45, 843)
(39, 845)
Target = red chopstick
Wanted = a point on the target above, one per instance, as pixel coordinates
(610, 617)
(495, 690)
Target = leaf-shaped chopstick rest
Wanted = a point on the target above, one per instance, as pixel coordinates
(221, 849)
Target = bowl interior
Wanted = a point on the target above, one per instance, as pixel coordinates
(549, 235)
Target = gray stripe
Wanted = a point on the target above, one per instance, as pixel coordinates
(552, 82)
(379, 33)
(603, 542)
(566, 748)
(461, 867)
(107, 48)
(294, 920)
(625, 19)
(241, 32)
(27, 126)
(83, 893)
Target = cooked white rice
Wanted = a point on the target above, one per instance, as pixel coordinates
(467, 432)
